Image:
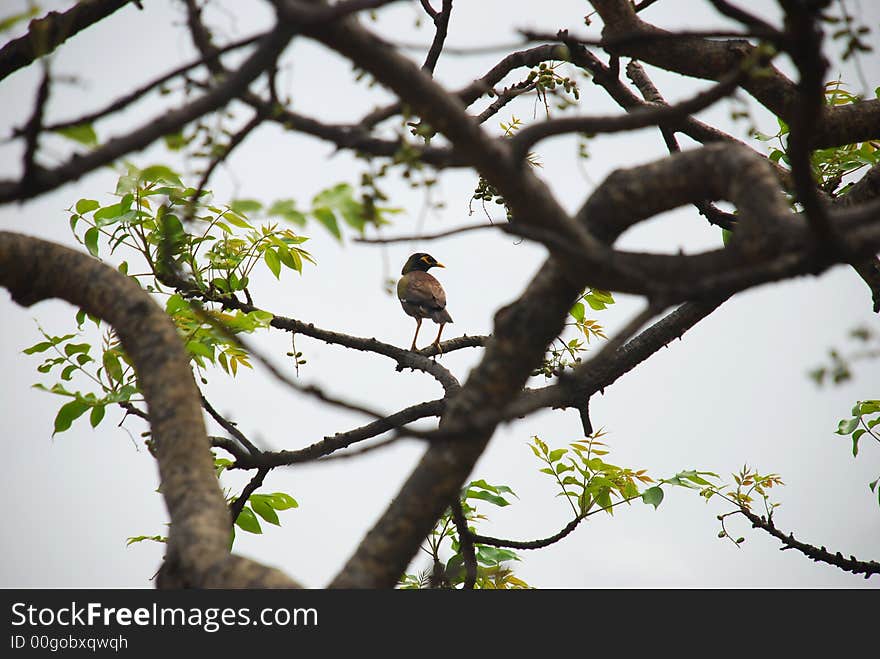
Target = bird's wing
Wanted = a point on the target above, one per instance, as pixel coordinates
(422, 289)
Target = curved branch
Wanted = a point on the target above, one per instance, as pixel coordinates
(34, 270)
(531, 544)
(46, 34)
(236, 506)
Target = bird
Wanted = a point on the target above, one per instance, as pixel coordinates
(421, 295)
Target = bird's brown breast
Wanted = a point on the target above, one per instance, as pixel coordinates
(422, 296)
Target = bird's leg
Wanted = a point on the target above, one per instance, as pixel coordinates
(418, 327)
(437, 340)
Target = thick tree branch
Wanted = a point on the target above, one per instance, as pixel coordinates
(198, 555)
(804, 40)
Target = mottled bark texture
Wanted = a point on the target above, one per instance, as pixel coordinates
(198, 556)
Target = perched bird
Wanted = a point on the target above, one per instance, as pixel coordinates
(421, 295)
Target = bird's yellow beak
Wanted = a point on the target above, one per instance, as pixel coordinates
(437, 264)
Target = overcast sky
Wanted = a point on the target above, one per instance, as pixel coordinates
(733, 391)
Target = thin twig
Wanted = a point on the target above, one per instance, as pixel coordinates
(238, 504)
(465, 545)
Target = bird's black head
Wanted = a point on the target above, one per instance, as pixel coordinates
(420, 261)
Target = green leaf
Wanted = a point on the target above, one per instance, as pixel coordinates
(483, 485)
(653, 496)
(198, 348)
(96, 415)
(91, 241)
(264, 509)
(84, 134)
(43, 346)
(68, 413)
(112, 214)
(846, 426)
(855, 440)
(455, 570)
(726, 235)
(237, 220)
(112, 366)
(326, 217)
(245, 206)
(172, 229)
(487, 496)
(286, 208)
(297, 259)
(175, 304)
(694, 477)
(73, 348)
(577, 311)
(602, 295)
(595, 303)
(281, 501)
(247, 521)
(160, 173)
(494, 555)
(84, 206)
(869, 407)
(556, 454)
(273, 261)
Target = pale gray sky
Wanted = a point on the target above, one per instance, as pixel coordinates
(733, 391)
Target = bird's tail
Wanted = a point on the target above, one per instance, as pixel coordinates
(441, 316)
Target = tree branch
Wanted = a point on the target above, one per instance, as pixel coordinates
(44, 180)
(340, 440)
(198, 555)
(818, 554)
(700, 58)
(441, 24)
(46, 34)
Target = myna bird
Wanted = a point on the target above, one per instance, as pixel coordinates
(421, 295)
